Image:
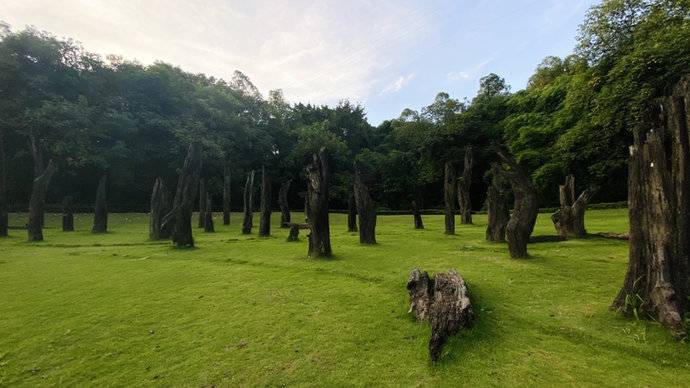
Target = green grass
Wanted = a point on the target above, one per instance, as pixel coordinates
(116, 309)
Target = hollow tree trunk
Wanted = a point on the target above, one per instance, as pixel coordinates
(417, 215)
(318, 179)
(525, 207)
(68, 214)
(227, 190)
(497, 207)
(657, 280)
(38, 201)
(208, 215)
(248, 198)
(100, 216)
(180, 216)
(265, 222)
(4, 226)
(569, 220)
(160, 207)
(202, 202)
(283, 202)
(449, 197)
(464, 185)
(366, 211)
(352, 213)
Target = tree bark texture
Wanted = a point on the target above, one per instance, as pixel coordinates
(366, 210)
(248, 200)
(227, 190)
(283, 203)
(352, 213)
(318, 179)
(208, 215)
(68, 214)
(100, 215)
(160, 207)
(202, 202)
(569, 220)
(265, 222)
(449, 187)
(525, 207)
(38, 201)
(464, 185)
(497, 207)
(183, 205)
(417, 216)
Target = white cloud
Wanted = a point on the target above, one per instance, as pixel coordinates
(471, 73)
(457, 75)
(398, 84)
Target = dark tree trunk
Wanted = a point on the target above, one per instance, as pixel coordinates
(569, 220)
(497, 207)
(227, 190)
(183, 205)
(248, 198)
(38, 201)
(39, 167)
(208, 215)
(656, 283)
(352, 212)
(160, 207)
(283, 202)
(464, 185)
(525, 207)
(202, 202)
(444, 301)
(366, 211)
(265, 223)
(100, 216)
(449, 197)
(294, 232)
(417, 215)
(318, 179)
(67, 214)
(4, 226)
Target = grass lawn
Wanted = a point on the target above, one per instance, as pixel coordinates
(116, 309)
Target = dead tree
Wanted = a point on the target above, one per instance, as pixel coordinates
(248, 198)
(265, 222)
(318, 179)
(417, 215)
(657, 280)
(352, 213)
(160, 207)
(283, 203)
(227, 190)
(525, 206)
(497, 207)
(180, 217)
(366, 210)
(449, 197)
(100, 215)
(202, 202)
(569, 220)
(208, 215)
(4, 223)
(68, 214)
(444, 301)
(38, 201)
(464, 185)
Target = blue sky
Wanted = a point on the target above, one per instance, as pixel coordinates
(386, 55)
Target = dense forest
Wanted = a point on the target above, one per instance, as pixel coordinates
(134, 122)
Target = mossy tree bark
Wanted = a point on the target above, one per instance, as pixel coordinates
(38, 201)
(569, 220)
(318, 180)
(248, 200)
(657, 280)
(202, 202)
(100, 215)
(525, 207)
(208, 215)
(183, 205)
(227, 190)
(160, 207)
(265, 222)
(68, 214)
(464, 185)
(366, 209)
(283, 203)
(497, 207)
(449, 187)
(352, 212)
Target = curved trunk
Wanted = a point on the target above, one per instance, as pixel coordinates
(318, 179)
(569, 220)
(100, 216)
(248, 200)
(180, 216)
(227, 190)
(525, 207)
(366, 211)
(202, 202)
(449, 186)
(38, 201)
(464, 185)
(265, 223)
(67, 214)
(283, 202)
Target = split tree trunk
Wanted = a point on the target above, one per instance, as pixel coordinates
(180, 216)
(449, 197)
(248, 199)
(100, 215)
(417, 215)
(227, 190)
(366, 211)
(4, 223)
(352, 213)
(68, 214)
(38, 201)
(525, 207)
(208, 215)
(569, 220)
(202, 202)
(464, 185)
(265, 223)
(318, 179)
(160, 207)
(283, 202)
(497, 207)
(657, 280)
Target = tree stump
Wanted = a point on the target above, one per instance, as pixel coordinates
(294, 231)
(569, 220)
(657, 280)
(181, 214)
(497, 207)
(68, 214)
(417, 216)
(444, 301)
(248, 200)
(203, 195)
(352, 212)
(265, 222)
(366, 211)
(38, 201)
(525, 207)
(464, 185)
(449, 197)
(227, 190)
(283, 203)
(208, 216)
(318, 179)
(100, 216)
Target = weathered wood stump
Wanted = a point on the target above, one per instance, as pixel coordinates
(227, 190)
(464, 185)
(68, 214)
(525, 207)
(283, 203)
(352, 213)
(248, 200)
(180, 217)
(202, 202)
(294, 231)
(449, 197)
(497, 207)
(417, 216)
(657, 280)
(208, 216)
(38, 201)
(444, 301)
(318, 180)
(100, 215)
(366, 210)
(569, 220)
(265, 221)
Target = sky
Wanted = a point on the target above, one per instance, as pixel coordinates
(385, 55)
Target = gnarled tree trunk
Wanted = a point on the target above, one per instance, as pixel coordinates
(248, 199)
(569, 220)
(497, 207)
(67, 214)
(183, 205)
(160, 207)
(38, 201)
(283, 202)
(265, 222)
(366, 211)
(449, 197)
(202, 202)
(657, 281)
(208, 216)
(464, 185)
(100, 216)
(318, 179)
(352, 213)
(227, 190)
(525, 207)
(417, 215)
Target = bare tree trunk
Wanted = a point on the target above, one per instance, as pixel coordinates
(497, 207)
(227, 190)
(464, 185)
(318, 179)
(569, 220)
(366, 211)
(4, 223)
(38, 201)
(657, 281)
(352, 212)
(525, 207)
(100, 216)
(248, 198)
(160, 207)
(265, 224)
(39, 166)
(449, 197)
(202, 202)
(417, 215)
(208, 216)
(67, 214)
(283, 202)
(183, 204)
